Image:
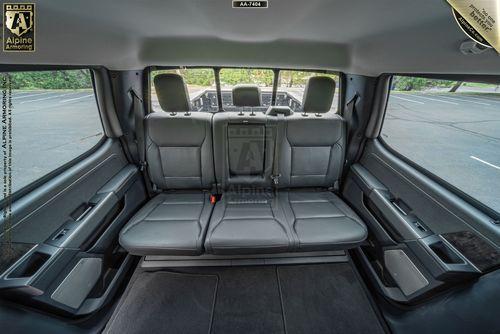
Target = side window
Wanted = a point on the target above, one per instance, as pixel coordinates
(450, 128)
(291, 85)
(200, 83)
(54, 120)
(230, 77)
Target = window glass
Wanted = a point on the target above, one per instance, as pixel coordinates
(230, 77)
(54, 120)
(200, 83)
(291, 87)
(450, 128)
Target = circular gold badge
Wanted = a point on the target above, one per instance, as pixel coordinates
(469, 30)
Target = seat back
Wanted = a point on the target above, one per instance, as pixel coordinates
(243, 148)
(243, 143)
(179, 151)
(312, 150)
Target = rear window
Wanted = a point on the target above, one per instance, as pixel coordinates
(200, 83)
(230, 77)
(202, 88)
(291, 85)
(450, 128)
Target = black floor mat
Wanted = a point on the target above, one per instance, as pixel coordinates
(165, 302)
(325, 299)
(248, 301)
(318, 298)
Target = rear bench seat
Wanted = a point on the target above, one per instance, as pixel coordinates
(250, 218)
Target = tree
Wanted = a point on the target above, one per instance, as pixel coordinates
(456, 86)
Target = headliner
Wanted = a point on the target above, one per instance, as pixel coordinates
(358, 36)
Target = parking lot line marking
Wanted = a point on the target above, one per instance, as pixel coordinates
(484, 162)
(402, 98)
(20, 94)
(483, 99)
(46, 98)
(430, 98)
(76, 98)
(464, 100)
(37, 94)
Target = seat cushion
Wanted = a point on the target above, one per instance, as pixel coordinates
(248, 224)
(320, 220)
(169, 224)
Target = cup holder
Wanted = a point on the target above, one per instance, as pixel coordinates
(30, 265)
(445, 254)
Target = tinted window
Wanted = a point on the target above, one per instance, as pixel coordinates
(54, 120)
(450, 128)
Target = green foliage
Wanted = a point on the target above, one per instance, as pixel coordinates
(67, 79)
(234, 76)
(414, 83)
(299, 78)
(192, 76)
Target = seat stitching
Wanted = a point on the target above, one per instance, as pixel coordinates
(127, 228)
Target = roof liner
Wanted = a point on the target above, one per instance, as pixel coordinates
(357, 36)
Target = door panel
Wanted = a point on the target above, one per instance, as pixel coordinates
(41, 212)
(439, 209)
(68, 227)
(417, 226)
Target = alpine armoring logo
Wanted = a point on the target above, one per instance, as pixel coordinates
(19, 27)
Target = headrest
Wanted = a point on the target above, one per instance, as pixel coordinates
(246, 96)
(275, 110)
(172, 92)
(318, 95)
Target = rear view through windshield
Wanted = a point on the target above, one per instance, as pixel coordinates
(202, 87)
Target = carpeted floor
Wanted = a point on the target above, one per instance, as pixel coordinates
(316, 298)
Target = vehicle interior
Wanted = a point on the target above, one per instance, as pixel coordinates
(310, 167)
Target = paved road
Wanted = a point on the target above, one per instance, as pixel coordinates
(50, 128)
(456, 136)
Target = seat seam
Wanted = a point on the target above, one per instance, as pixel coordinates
(127, 228)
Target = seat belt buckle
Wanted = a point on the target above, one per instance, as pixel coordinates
(276, 178)
(213, 199)
(142, 165)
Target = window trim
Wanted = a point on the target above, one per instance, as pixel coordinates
(23, 191)
(493, 214)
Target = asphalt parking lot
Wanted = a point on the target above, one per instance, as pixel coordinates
(454, 135)
(49, 129)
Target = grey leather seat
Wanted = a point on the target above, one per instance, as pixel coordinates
(311, 161)
(248, 218)
(180, 163)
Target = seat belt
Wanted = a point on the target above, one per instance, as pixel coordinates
(139, 138)
(354, 137)
(277, 148)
